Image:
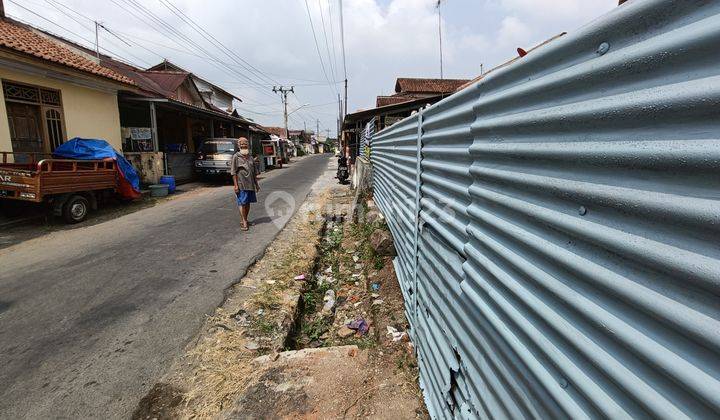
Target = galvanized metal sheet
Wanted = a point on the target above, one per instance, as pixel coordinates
(567, 258)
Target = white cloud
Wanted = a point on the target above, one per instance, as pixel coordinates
(385, 39)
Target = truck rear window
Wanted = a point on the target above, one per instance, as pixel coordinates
(214, 146)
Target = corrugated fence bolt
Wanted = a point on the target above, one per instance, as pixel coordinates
(563, 383)
(603, 48)
(582, 210)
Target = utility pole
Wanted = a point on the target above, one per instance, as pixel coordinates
(440, 37)
(342, 41)
(284, 92)
(317, 128)
(340, 117)
(97, 41)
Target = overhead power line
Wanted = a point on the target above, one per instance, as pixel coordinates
(162, 27)
(213, 40)
(327, 44)
(65, 11)
(332, 37)
(342, 43)
(169, 31)
(89, 42)
(317, 46)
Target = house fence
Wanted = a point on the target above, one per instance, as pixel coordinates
(558, 225)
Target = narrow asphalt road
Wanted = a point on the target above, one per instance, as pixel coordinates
(90, 318)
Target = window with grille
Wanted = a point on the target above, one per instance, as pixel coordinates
(19, 92)
(53, 121)
(47, 101)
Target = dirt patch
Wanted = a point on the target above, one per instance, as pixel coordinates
(161, 400)
(262, 400)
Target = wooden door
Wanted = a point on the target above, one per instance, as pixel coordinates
(25, 129)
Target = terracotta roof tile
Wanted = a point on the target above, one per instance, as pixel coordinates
(21, 38)
(397, 99)
(167, 80)
(417, 85)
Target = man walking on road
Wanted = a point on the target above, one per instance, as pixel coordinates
(245, 180)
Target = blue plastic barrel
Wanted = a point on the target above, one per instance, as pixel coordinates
(169, 180)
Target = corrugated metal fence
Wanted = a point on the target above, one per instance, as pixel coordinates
(558, 225)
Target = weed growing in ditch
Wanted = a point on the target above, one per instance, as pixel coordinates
(315, 329)
(361, 232)
(313, 298)
(366, 342)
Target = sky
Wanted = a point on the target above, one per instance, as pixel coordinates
(247, 46)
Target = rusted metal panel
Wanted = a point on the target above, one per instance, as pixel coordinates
(567, 259)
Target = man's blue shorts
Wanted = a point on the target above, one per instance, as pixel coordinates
(246, 197)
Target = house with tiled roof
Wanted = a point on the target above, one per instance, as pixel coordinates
(166, 119)
(408, 89)
(215, 96)
(51, 92)
(410, 95)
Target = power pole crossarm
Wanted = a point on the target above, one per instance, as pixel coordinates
(283, 91)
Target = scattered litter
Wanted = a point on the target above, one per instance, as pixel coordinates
(356, 304)
(356, 258)
(375, 286)
(329, 300)
(356, 275)
(260, 312)
(321, 278)
(300, 277)
(357, 283)
(395, 334)
(360, 325)
(270, 281)
(328, 270)
(358, 266)
(252, 345)
(378, 302)
(375, 295)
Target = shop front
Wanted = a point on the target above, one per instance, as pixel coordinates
(161, 136)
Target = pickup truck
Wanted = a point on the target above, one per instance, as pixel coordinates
(69, 187)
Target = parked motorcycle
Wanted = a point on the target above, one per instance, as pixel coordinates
(343, 171)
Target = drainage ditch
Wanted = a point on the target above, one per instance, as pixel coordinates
(316, 311)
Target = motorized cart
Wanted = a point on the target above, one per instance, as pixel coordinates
(70, 187)
(82, 173)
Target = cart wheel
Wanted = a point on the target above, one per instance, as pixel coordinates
(76, 209)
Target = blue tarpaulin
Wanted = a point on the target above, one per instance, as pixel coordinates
(90, 149)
